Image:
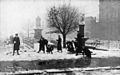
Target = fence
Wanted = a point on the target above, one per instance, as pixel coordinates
(107, 44)
(29, 41)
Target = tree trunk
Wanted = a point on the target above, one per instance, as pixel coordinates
(64, 41)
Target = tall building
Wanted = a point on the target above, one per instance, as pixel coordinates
(0, 32)
(109, 19)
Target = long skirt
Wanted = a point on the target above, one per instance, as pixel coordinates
(59, 46)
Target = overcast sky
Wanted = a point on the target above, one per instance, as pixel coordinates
(14, 14)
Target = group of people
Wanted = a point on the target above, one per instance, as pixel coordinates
(74, 47)
(42, 44)
(49, 48)
(79, 46)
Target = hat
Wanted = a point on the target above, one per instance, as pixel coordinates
(16, 34)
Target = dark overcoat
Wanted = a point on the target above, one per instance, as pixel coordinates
(41, 44)
(59, 46)
(16, 41)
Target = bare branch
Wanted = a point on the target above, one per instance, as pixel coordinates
(64, 18)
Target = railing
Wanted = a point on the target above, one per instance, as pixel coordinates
(29, 42)
(106, 44)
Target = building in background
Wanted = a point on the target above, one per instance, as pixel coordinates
(108, 27)
(0, 31)
(109, 19)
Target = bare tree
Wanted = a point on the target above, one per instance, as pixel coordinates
(64, 19)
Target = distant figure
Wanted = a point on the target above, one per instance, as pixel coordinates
(41, 44)
(16, 42)
(59, 46)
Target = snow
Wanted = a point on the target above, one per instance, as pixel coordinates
(108, 49)
(29, 54)
(106, 54)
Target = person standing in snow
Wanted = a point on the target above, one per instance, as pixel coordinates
(41, 45)
(80, 44)
(45, 42)
(59, 46)
(16, 42)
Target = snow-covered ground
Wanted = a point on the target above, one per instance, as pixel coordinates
(33, 55)
(29, 54)
(106, 54)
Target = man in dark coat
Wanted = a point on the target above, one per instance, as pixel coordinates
(16, 41)
(59, 46)
(41, 44)
(45, 42)
(79, 40)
